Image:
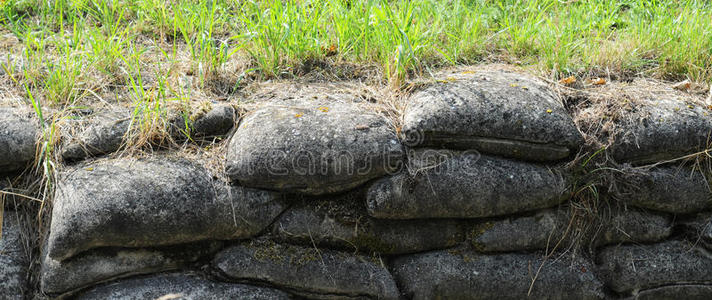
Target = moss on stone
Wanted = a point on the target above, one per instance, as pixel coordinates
(373, 244)
(477, 231)
(267, 250)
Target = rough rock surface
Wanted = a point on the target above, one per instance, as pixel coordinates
(18, 137)
(96, 266)
(629, 268)
(496, 112)
(13, 259)
(661, 129)
(179, 286)
(464, 185)
(150, 202)
(667, 189)
(312, 147)
(675, 292)
(699, 227)
(344, 224)
(546, 228)
(250, 210)
(633, 226)
(307, 271)
(217, 121)
(103, 133)
(470, 275)
(539, 231)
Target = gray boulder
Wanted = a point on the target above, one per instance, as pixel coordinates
(179, 286)
(14, 262)
(151, 202)
(497, 112)
(312, 147)
(667, 189)
(18, 139)
(470, 275)
(308, 271)
(344, 224)
(100, 265)
(98, 134)
(630, 268)
(216, 121)
(675, 292)
(444, 184)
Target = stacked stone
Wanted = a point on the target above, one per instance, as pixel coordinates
(420, 206)
(320, 149)
(18, 136)
(326, 197)
(121, 217)
(488, 147)
(176, 229)
(652, 134)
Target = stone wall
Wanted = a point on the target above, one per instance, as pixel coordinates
(487, 185)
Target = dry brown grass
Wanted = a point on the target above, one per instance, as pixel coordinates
(597, 109)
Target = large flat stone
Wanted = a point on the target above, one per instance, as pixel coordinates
(312, 146)
(14, 263)
(18, 138)
(498, 112)
(179, 286)
(342, 222)
(151, 202)
(308, 271)
(449, 184)
(101, 265)
(470, 275)
(630, 268)
(667, 189)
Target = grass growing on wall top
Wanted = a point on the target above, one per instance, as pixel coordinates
(65, 50)
(152, 54)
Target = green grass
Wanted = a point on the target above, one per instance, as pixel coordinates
(72, 50)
